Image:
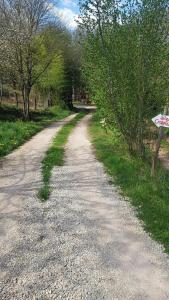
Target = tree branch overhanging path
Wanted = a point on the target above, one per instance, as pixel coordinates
(85, 242)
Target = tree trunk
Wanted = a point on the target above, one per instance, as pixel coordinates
(157, 148)
(26, 95)
(26, 109)
(35, 103)
(1, 93)
(70, 103)
(15, 92)
(49, 99)
(16, 99)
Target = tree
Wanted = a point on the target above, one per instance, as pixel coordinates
(22, 21)
(125, 60)
(57, 82)
(37, 54)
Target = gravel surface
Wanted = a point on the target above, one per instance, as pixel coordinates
(84, 243)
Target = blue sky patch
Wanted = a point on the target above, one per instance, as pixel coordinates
(67, 11)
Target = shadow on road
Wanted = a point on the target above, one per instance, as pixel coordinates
(84, 108)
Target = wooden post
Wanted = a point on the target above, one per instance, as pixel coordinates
(157, 147)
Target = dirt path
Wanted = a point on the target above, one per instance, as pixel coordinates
(20, 179)
(84, 243)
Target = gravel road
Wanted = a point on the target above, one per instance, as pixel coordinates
(84, 243)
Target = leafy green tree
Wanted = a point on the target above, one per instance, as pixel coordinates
(37, 54)
(125, 60)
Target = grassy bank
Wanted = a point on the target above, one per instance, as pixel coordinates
(149, 195)
(14, 131)
(55, 156)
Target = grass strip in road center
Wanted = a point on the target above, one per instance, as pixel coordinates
(55, 156)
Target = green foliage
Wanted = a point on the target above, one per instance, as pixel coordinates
(63, 75)
(126, 64)
(44, 193)
(14, 131)
(149, 195)
(36, 55)
(55, 156)
(51, 83)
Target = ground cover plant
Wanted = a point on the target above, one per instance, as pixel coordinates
(55, 156)
(148, 194)
(14, 131)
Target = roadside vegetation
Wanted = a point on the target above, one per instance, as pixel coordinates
(14, 131)
(148, 194)
(125, 58)
(55, 156)
(126, 66)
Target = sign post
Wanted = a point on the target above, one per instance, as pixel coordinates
(161, 121)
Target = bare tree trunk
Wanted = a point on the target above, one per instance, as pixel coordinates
(73, 90)
(15, 92)
(157, 148)
(26, 94)
(140, 140)
(35, 103)
(26, 109)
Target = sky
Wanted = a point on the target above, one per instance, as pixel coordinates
(67, 11)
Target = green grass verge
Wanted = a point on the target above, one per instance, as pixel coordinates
(14, 131)
(149, 195)
(55, 156)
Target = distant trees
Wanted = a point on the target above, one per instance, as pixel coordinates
(51, 82)
(126, 63)
(62, 78)
(35, 52)
(22, 20)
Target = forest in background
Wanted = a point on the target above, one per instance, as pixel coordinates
(39, 57)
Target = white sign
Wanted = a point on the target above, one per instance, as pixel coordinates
(161, 121)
